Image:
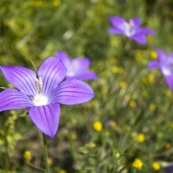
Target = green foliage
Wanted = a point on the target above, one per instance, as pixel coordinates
(129, 99)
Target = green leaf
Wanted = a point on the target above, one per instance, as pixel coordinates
(24, 114)
(3, 88)
(35, 69)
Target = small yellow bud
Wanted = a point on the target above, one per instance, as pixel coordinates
(115, 69)
(153, 54)
(123, 84)
(27, 156)
(137, 163)
(132, 104)
(49, 160)
(156, 166)
(62, 171)
(97, 126)
(172, 125)
(56, 3)
(141, 138)
(150, 78)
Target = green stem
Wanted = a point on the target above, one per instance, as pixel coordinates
(46, 154)
(7, 164)
(35, 167)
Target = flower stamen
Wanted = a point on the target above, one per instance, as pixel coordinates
(39, 84)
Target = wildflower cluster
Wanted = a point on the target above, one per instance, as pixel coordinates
(128, 125)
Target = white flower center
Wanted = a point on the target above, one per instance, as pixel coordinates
(71, 71)
(40, 100)
(129, 28)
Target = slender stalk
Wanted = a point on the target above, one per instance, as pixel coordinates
(35, 167)
(46, 154)
(7, 162)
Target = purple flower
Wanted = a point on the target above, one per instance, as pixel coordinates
(77, 68)
(169, 169)
(165, 64)
(130, 29)
(42, 93)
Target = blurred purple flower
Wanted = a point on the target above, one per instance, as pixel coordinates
(77, 68)
(165, 64)
(42, 93)
(130, 29)
(169, 169)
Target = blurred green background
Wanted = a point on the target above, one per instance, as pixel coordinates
(129, 121)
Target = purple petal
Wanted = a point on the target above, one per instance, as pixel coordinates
(153, 64)
(169, 80)
(72, 92)
(140, 38)
(136, 21)
(89, 75)
(161, 55)
(13, 99)
(22, 78)
(52, 72)
(78, 68)
(46, 118)
(81, 63)
(86, 75)
(170, 56)
(147, 31)
(115, 31)
(117, 22)
(64, 58)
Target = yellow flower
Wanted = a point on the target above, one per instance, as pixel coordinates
(49, 160)
(62, 171)
(36, 3)
(97, 125)
(156, 166)
(123, 84)
(116, 69)
(74, 136)
(150, 78)
(56, 3)
(152, 107)
(172, 125)
(153, 54)
(137, 163)
(132, 103)
(141, 138)
(27, 156)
